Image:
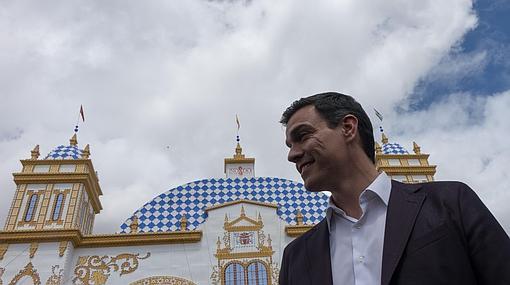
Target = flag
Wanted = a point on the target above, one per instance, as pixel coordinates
(81, 113)
(379, 115)
(238, 124)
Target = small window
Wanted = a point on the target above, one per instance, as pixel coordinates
(41, 168)
(394, 162)
(401, 178)
(32, 202)
(58, 206)
(414, 162)
(420, 178)
(257, 274)
(67, 168)
(234, 274)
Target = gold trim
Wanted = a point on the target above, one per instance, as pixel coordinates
(112, 240)
(33, 249)
(62, 248)
(96, 269)
(56, 277)
(161, 280)
(297, 230)
(408, 169)
(217, 206)
(3, 250)
(91, 186)
(27, 271)
(264, 252)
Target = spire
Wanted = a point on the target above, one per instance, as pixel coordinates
(73, 140)
(384, 138)
(184, 222)
(378, 149)
(416, 148)
(299, 217)
(86, 152)
(35, 152)
(242, 211)
(134, 224)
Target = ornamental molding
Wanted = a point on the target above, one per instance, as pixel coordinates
(163, 280)
(56, 277)
(27, 271)
(33, 249)
(62, 248)
(226, 204)
(88, 179)
(297, 230)
(3, 250)
(91, 241)
(408, 169)
(95, 269)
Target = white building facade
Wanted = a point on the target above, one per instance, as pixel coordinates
(229, 230)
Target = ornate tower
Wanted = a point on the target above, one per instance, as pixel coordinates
(60, 191)
(239, 166)
(400, 165)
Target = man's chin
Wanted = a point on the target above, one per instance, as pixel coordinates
(310, 186)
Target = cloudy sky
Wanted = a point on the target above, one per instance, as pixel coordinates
(162, 81)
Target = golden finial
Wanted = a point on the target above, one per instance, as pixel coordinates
(184, 223)
(384, 139)
(239, 151)
(269, 240)
(218, 243)
(378, 149)
(134, 224)
(260, 217)
(242, 211)
(86, 152)
(299, 217)
(35, 152)
(73, 140)
(416, 148)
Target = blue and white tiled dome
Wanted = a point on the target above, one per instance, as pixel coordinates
(164, 212)
(65, 152)
(393, 148)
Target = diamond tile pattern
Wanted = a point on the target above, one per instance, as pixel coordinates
(393, 148)
(65, 152)
(164, 212)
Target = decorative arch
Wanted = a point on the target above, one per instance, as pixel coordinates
(258, 273)
(163, 280)
(27, 271)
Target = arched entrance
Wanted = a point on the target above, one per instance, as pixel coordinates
(163, 280)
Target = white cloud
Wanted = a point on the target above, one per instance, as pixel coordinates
(160, 73)
(467, 138)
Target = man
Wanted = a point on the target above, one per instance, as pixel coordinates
(376, 230)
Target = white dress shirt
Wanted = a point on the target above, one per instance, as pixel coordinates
(356, 246)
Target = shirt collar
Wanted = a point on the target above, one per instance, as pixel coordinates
(381, 186)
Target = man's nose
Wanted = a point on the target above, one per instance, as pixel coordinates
(295, 152)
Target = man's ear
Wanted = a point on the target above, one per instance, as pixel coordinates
(349, 127)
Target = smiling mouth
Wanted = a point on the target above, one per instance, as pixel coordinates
(303, 166)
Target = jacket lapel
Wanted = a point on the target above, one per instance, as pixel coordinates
(403, 208)
(317, 247)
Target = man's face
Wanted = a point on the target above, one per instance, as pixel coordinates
(318, 151)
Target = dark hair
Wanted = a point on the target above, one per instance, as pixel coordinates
(333, 107)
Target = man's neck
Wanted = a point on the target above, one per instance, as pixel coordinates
(349, 188)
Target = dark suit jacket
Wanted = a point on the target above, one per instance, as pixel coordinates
(436, 233)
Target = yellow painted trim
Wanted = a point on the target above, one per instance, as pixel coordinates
(214, 207)
(236, 255)
(91, 186)
(79, 240)
(297, 230)
(408, 169)
(401, 156)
